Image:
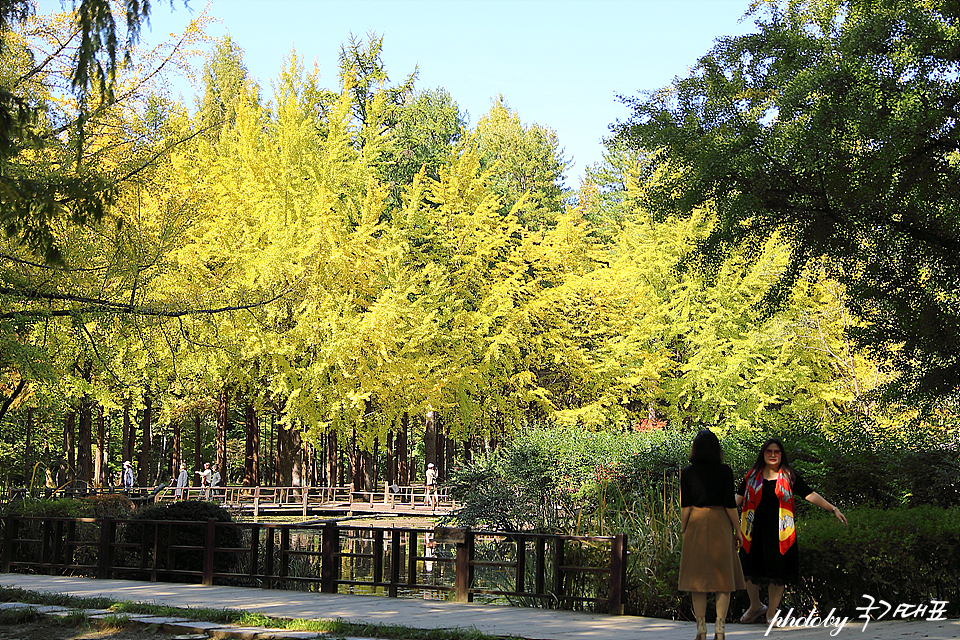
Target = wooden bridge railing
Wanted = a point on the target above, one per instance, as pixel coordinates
(266, 497)
(518, 567)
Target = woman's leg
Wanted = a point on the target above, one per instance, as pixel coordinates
(753, 590)
(774, 595)
(700, 611)
(723, 603)
(720, 626)
(699, 604)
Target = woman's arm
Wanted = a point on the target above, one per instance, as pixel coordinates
(739, 501)
(819, 500)
(735, 521)
(684, 517)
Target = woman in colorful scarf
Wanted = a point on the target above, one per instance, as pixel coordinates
(769, 553)
(711, 533)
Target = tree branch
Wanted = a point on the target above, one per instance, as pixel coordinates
(98, 305)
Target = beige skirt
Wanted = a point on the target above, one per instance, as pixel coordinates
(709, 561)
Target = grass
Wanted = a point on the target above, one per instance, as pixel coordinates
(120, 609)
(18, 616)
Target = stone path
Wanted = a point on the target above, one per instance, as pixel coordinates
(532, 624)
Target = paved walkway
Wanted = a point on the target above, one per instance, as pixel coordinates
(533, 624)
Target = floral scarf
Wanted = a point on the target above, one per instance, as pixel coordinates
(787, 528)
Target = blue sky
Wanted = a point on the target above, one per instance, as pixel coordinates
(559, 63)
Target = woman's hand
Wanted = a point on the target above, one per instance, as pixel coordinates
(737, 539)
(842, 518)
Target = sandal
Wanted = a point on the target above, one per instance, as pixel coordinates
(745, 619)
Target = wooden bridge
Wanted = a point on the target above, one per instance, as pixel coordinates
(303, 501)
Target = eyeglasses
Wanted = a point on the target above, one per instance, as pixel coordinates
(772, 452)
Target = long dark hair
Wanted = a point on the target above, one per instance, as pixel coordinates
(706, 447)
(784, 460)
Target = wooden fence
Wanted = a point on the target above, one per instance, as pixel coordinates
(519, 568)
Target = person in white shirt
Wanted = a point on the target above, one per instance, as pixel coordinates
(430, 492)
(205, 480)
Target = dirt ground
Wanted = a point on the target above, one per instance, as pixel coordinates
(53, 629)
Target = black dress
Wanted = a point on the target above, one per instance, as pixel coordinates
(765, 563)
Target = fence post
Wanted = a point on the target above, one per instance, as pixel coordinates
(540, 572)
(411, 557)
(57, 548)
(254, 549)
(208, 548)
(396, 562)
(464, 568)
(268, 558)
(284, 549)
(11, 527)
(559, 560)
(329, 546)
(618, 569)
(521, 556)
(105, 561)
(378, 556)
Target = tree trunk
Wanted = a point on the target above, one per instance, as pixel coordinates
(251, 458)
(309, 465)
(430, 439)
(331, 462)
(109, 420)
(403, 464)
(69, 439)
(356, 464)
(27, 467)
(289, 458)
(129, 434)
(161, 458)
(50, 478)
(176, 453)
(390, 476)
(451, 457)
(143, 478)
(98, 462)
(221, 437)
(85, 444)
(441, 462)
(197, 448)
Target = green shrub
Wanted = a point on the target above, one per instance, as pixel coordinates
(906, 555)
(102, 506)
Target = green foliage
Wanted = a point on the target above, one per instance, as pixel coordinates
(833, 129)
(856, 466)
(524, 161)
(902, 555)
(105, 506)
(20, 615)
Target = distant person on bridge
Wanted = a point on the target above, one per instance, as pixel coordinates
(215, 480)
(430, 492)
(128, 478)
(205, 476)
(182, 481)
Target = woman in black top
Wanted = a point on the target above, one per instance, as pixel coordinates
(711, 533)
(769, 553)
